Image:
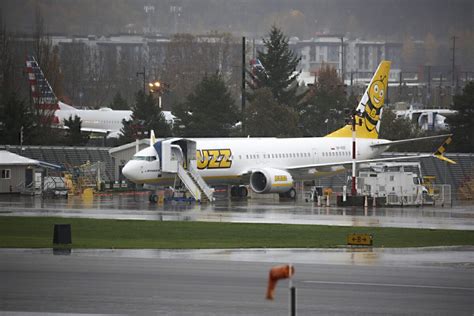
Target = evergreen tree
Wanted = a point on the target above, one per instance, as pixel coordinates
(394, 128)
(209, 111)
(279, 63)
(14, 116)
(323, 108)
(74, 136)
(265, 117)
(146, 116)
(119, 103)
(129, 133)
(462, 123)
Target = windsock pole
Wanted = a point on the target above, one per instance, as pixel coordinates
(293, 301)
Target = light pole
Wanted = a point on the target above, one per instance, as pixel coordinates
(143, 74)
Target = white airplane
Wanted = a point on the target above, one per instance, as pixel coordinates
(427, 119)
(103, 121)
(271, 165)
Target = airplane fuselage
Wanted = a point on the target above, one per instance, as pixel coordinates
(227, 160)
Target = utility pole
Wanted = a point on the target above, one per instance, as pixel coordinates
(243, 86)
(21, 138)
(342, 58)
(454, 60)
(428, 95)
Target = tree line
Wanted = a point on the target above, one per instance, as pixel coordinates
(277, 105)
(280, 107)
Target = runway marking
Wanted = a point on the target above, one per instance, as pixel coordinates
(394, 285)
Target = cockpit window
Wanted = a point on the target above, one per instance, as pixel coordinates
(147, 158)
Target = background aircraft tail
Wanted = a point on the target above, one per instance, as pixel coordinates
(41, 92)
(369, 110)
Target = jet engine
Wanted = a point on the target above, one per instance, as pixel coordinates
(271, 180)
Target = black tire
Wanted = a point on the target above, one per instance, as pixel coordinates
(234, 191)
(291, 194)
(154, 198)
(243, 192)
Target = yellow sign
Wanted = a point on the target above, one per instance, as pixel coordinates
(214, 158)
(360, 239)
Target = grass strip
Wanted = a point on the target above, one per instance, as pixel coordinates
(37, 232)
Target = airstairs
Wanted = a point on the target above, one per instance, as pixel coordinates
(195, 184)
(178, 156)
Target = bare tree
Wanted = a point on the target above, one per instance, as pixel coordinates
(190, 58)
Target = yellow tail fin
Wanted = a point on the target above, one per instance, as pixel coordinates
(370, 107)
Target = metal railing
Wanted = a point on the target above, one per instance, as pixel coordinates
(208, 191)
(189, 182)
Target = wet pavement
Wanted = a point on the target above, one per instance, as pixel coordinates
(452, 256)
(136, 206)
(223, 282)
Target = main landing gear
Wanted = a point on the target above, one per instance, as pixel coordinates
(290, 194)
(239, 191)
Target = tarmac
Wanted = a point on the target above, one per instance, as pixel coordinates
(133, 205)
(221, 282)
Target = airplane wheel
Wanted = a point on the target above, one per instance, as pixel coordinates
(153, 198)
(234, 191)
(243, 192)
(291, 194)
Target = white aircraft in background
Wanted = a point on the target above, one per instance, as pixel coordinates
(427, 119)
(103, 121)
(271, 165)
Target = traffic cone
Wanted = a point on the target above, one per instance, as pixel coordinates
(278, 273)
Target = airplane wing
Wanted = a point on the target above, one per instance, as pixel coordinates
(95, 130)
(323, 166)
(312, 168)
(110, 133)
(410, 140)
(88, 129)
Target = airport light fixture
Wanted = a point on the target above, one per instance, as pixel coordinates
(159, 88)
(155, 87)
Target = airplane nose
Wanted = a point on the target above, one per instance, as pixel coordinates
(127, 171)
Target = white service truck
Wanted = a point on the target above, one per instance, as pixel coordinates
(400, 182)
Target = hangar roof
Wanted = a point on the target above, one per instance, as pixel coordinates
(10, 159)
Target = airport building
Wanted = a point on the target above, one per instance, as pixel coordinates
(20, 174)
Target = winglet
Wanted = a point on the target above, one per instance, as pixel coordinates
(152, 138)
(441, 157)
(439, 153)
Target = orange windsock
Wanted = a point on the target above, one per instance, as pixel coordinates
(278, 273)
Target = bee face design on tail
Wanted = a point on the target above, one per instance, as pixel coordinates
(370, 106)
(373, 107)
